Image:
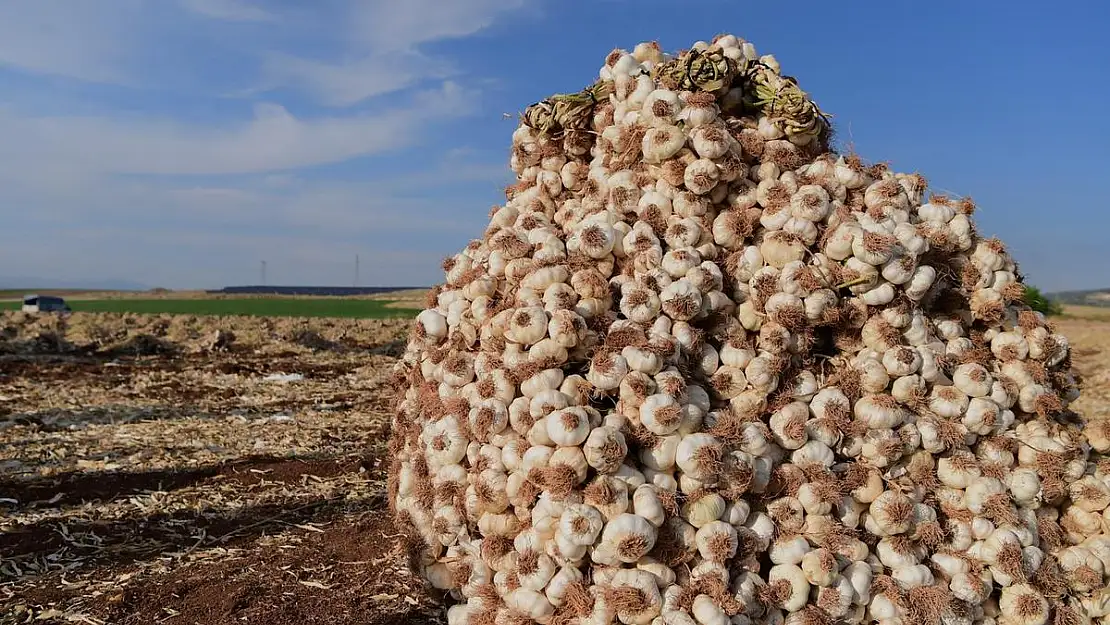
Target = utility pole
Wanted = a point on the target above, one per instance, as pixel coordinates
(356, 271)
(263, 273)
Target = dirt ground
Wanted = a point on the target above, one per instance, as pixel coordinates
(150, 473)
(407, 298)
(1088, 331)
(173, 483)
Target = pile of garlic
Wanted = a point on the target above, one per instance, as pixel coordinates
(702, 370)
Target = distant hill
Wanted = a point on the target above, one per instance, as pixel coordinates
(30, 283)
(1093, 297)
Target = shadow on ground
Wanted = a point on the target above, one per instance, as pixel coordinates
(79, 487)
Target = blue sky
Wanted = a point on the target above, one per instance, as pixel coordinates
(179, 142)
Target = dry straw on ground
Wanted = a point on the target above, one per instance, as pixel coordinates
(180, 485)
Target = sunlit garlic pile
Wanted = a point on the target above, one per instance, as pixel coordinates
(700, 369)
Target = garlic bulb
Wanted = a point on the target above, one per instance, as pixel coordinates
(531, 604)
(630, 536)
(661, 414)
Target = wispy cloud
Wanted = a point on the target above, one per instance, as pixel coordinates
(233, 10)
(386, 25)
(352, 80)
(161, 230)
(79, 40)
(272, 140)
(384, 54)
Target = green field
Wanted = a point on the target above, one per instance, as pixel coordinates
(257, 307)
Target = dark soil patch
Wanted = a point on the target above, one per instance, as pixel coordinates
(61, 420)
(115, 370)
(255, 470)
(354, 572)
(124, 541)
(314, 370)
(179, 391)
(351, 573)
(101, 372)
(239, 366)
(142, 345)
(47, 369)
(186, 393)
(81, 487)
(393, 349)
(121, 541)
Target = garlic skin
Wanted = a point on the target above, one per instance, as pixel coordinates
(797, 584)
(661, 414)
(531, 604)
(652, 601)
(568, 427)
(889, 514)
(704, 510)
(629, 536)
(605, 449)
(646, 504)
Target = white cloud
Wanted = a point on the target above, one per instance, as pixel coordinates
(433, 199)
(384, 55)
(185, 232)
(88, 41)
(370, 47)
(232, 10)
(351, 81)
(388, 25)
(273, 140)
